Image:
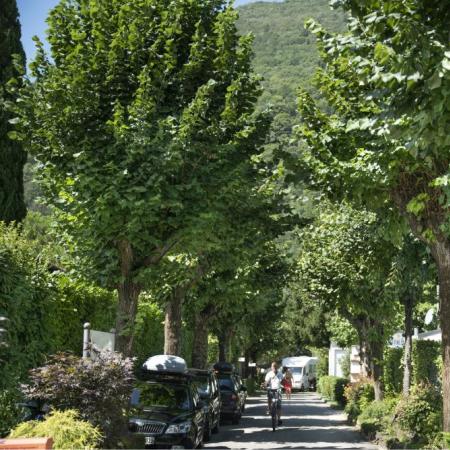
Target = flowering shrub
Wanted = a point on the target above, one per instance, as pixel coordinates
(358, 396)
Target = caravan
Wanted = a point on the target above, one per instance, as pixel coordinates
(303, 369)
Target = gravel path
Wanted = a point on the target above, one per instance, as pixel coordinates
(308, 422)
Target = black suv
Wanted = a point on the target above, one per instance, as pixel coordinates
(208, 390)
(230, 392)
(166, 412)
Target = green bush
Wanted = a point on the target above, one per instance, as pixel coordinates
(332, 388)
(377, 416)
(65, 428)
(322, 362)
(426, 362)
(10, 414)
(358, 396)
(419, 415)
(393, 370)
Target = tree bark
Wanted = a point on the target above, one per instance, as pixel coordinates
(407, 357)
(372, 353)
(377, 349)
(173, 323)
(128, 293)
(200, 344)
(441, 254)
(224, 345)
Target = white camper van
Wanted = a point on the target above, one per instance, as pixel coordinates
(303, 369)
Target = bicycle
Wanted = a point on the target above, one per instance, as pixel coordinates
(275, 406)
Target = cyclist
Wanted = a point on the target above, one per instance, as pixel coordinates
(273, 384)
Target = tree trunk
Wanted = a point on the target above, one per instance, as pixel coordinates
(441, 254)
(377, 369)
(407, 357)
(173, 323)
(200, 344)
(224, 345)
(372, 353)
(128, 294)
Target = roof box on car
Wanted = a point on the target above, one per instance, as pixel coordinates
(166, 364)
(224, 367)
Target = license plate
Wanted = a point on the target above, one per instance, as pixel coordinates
(149, 440)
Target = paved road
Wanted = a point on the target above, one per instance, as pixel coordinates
(307, 423)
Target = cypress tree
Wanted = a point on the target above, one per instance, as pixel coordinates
(12, 155)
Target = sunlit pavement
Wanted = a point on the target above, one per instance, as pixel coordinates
(308, 422)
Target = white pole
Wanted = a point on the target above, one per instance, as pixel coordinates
(87, 340)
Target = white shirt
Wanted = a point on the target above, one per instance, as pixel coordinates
(273, 380)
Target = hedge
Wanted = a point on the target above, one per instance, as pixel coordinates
(426, 362)
(332, 388)
(393, 370)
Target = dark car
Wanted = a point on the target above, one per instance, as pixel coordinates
(230, 393)
(166, 412)
(208, 390)
(242, 390)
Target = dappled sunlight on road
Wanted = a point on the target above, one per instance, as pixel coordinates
(307, 423)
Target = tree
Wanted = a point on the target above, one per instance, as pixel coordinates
(142, 113)
(409, 274)
(12, 156)
(387, 143)
(345, 262)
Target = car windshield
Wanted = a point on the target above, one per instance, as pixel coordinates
(202, 385)
(296, 370)
(226, 384)
(161, 395)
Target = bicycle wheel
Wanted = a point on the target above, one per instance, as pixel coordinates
(274, 415)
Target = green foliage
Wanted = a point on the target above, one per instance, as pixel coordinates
(10, 413)
(26, 294)
(65, 428)
(419, 415)
(377, 416)
(100, 390)
(76, 302)
(12, 156)
(284, 55)
(332, 388)
(322, 363)
(357, 396)
(426, 361)
(169, 100)
(393, 371)
(149, 329)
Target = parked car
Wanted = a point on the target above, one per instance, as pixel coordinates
(242, 391)
(166, 408)
(230, 393)
(208, 390)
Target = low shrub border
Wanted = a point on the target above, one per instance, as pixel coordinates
(332, 388)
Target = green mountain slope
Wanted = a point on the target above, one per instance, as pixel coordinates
(285, 53)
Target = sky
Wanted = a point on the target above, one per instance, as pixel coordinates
(34, 12)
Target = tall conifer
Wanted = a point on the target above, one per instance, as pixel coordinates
(12, 155)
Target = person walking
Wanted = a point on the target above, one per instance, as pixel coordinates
(287, 382)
